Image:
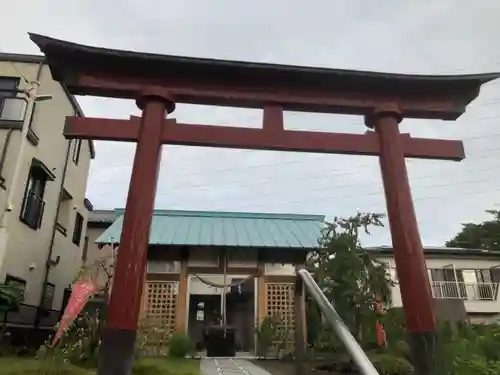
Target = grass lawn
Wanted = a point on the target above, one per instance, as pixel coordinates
(29, 366)
(173, 366)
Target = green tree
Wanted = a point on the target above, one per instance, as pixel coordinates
(485, 235)
(351, 278)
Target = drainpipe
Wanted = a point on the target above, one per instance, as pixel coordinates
(4, 150)
(48, 261)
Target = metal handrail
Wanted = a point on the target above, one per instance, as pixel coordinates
(358, 355)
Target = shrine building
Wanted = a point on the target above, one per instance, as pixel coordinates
(211, 267)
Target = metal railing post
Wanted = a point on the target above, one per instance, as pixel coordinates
(358, 355)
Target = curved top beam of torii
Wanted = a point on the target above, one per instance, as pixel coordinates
(122, 74)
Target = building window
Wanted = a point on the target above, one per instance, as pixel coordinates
(483, 286)
(33, 203)
(11, 107)
(85, 249)
(279, 269)
(77, 233)
(64, 212)
(77, 148)
(17, 283)
(161, 266)
(65, 300)
(461, 275)
(48, 297)
(484, 276)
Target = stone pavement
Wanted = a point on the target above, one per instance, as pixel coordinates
(230, 366)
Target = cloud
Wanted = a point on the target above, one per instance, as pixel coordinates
(448, 36)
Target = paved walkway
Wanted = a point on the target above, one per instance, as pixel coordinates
(230, 366)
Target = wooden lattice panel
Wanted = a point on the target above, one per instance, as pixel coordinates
(280, 305)
(160, 299)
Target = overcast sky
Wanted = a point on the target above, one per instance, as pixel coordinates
(424, 36)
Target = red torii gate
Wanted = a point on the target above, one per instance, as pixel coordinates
(157, 82)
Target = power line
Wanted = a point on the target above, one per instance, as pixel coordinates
(311, 191)
(324, 178)
(240, 182)
(380, 194)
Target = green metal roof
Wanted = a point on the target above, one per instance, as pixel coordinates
(199, 228)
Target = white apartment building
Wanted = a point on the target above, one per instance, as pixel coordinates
(47, 227)
(470, 276)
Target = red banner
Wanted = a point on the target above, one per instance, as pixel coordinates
(82, 290)
(381, 339)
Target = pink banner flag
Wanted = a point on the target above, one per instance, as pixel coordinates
(82, 290)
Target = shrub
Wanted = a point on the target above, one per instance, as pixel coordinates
(274, 339)
(401, 349)
(474, 365)
(388, 364)
(78, 345)
(328, 341)
(151, 340)
(489, 341)
(180, 345)
(267, 335)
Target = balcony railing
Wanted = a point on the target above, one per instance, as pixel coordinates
(26, 316)
(12, 109)
(464, 291)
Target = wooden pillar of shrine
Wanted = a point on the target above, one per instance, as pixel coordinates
(182, 297)
(118, 339)
(261, 294)
(408, 253)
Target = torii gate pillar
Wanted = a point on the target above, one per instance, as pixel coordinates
(410, 262)
(118, 340)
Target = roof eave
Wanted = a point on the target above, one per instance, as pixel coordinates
(21, 58)
(59, 47)
(64, 66)
(441, 252)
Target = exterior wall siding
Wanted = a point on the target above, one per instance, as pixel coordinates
(27, 249)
